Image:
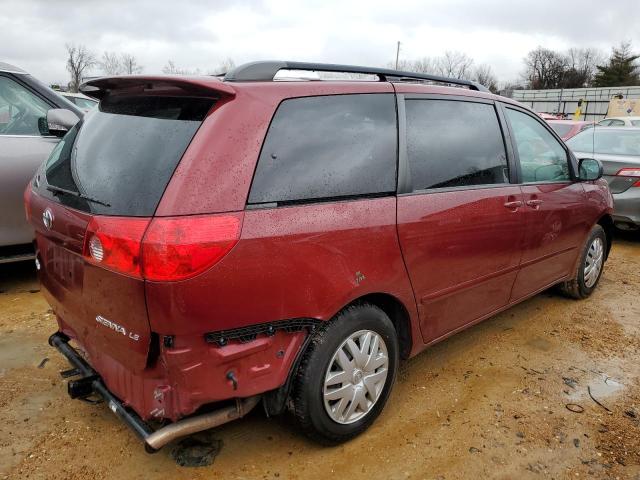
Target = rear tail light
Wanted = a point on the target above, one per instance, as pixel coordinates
(181, 247)
(630, 172)
(163, 248)
(115, 243)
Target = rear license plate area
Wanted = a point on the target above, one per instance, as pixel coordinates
(64, 267)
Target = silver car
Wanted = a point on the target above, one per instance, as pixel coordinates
(32, 119)
(618, 148)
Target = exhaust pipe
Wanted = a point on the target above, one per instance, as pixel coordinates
(188, 426)
(91, 383)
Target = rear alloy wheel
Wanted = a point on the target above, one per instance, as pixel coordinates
(356, 376)
(590, 266)
(346, 374)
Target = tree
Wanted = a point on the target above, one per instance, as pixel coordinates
(110, 63)
(79, 61)
(454, 64)
(129, 64)
(581, 67)
(544, 68)
(424, 65)
(484, 76)
(621, 69)
(171, 69)
(224, 66)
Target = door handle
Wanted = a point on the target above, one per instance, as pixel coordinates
(534, 203)
(513, 205)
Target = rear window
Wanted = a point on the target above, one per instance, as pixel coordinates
(328, 147)
(560, 128)
(610, 142)
(123, 153)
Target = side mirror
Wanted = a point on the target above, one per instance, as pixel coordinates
(58, 122)
(589, 169)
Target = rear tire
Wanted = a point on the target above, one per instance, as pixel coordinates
(590, 266)
(338, 394)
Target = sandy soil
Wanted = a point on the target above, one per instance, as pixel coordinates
(490, 402)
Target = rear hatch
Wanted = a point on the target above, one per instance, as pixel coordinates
(94, 199)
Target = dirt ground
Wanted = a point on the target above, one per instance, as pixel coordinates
(490, 402)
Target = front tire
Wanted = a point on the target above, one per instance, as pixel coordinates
(590, 267)
(346, 375)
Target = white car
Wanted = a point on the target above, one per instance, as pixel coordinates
(83, 102)
(620, 122)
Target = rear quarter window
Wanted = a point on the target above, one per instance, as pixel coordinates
(328, 147)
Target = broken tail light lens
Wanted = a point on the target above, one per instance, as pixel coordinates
(114, 243)
(177, 248)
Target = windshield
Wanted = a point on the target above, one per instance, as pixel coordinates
(608, 142)
(124, 152)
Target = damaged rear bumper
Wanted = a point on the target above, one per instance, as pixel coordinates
(91, 383)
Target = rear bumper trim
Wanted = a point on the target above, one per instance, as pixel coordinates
(154, 440)
(61, 342)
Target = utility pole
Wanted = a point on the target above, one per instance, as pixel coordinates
(397, 54)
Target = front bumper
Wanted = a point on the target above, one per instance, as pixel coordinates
(627, 207)
(91, 383)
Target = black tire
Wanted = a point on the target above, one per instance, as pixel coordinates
(307, 397)
(576, 287)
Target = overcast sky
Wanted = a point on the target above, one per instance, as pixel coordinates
(200, 34)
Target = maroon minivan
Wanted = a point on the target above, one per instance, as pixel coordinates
(207, 245)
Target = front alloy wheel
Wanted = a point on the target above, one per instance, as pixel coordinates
(593, 262)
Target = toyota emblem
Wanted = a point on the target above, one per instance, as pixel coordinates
(47, 218)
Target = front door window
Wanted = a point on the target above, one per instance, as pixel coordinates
(20, 110)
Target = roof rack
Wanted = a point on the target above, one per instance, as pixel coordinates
(265, 71)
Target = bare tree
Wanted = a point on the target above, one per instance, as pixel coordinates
(110, 63)
(484, 76)
(404, 65)
(79, 61)
(129, 64)
(545, 68)
(424, 65)
(224, 66)
(454, 64)
(582, 67)
(171, 69)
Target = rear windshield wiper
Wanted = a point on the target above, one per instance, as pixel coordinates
(64, 191)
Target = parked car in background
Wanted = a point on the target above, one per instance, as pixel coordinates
(25, 142)
(619, 151)
(549, 116)
(568, 128)
(620, 122)
(83, 102)
(288, 242)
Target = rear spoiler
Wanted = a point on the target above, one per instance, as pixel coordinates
(156, 85)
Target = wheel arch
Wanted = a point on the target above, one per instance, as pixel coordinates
(277, 400)
(397, 313)
(606, 222)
